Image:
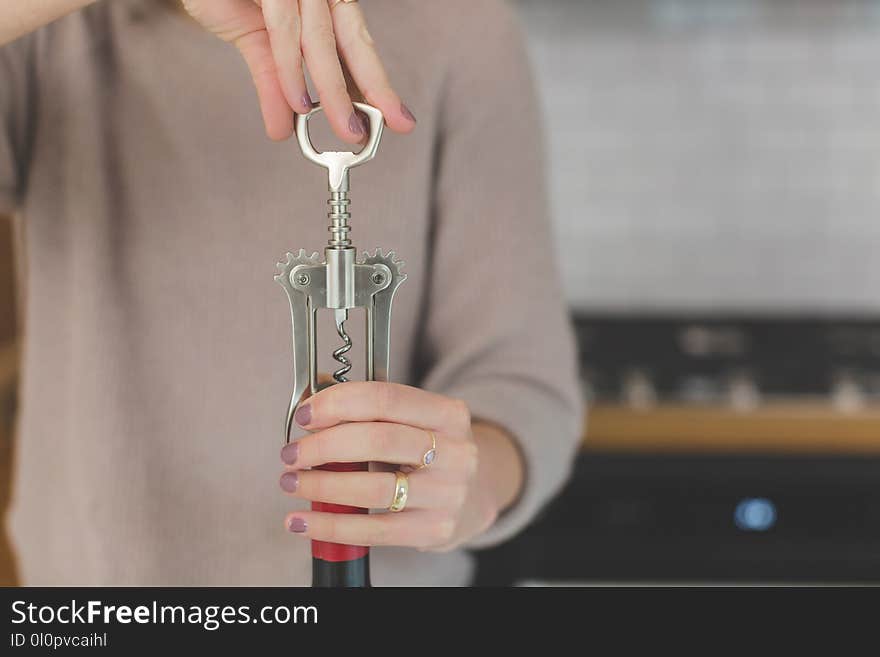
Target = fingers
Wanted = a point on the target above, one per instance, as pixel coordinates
(319, 51)
(419, 529)
(356, 46)
(283, 25)
(372, 490)
(324, 380)
(374, 401)
(356, 442)
(257, 53)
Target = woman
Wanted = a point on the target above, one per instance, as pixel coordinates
(156, 355)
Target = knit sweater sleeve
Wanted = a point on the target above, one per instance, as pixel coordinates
(498, 332)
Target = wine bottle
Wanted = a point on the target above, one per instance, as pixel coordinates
(350, 574)
(335, 565)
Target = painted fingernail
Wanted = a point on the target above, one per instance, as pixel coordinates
(289, 453)
(289, 482)
(303, 415)
(296, 525)
(405, 111)
(356, 124)
(307, 101)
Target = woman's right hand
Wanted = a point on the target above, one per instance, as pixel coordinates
(276, 37)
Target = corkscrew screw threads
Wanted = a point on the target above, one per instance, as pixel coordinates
(339, 354)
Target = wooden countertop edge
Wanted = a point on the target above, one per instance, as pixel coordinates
(775, 427)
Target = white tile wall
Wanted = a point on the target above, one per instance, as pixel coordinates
(713, 154)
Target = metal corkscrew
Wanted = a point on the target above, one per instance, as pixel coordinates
(339, 283)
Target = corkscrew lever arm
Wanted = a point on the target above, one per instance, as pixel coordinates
(302, 321)
(379, 313)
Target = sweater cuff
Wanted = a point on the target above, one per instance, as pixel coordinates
(547, 432)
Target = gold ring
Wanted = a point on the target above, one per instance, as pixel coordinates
(336, 2)
(429, 456)
(401, 492)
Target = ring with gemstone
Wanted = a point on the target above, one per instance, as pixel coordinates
(429, 456)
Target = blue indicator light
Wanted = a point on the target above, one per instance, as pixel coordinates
(755, 514)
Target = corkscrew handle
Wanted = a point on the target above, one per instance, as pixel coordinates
(339, 163)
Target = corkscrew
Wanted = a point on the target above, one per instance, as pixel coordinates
(340, 283)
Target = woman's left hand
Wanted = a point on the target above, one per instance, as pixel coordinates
(388, 423)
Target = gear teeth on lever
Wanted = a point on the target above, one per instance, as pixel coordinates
(295, 261)
(378, 258)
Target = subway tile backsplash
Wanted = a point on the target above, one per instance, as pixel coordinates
(712, 154)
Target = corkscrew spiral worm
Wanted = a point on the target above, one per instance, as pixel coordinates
(339, 354)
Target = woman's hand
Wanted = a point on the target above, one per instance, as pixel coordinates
(276, 37)
(449, 501)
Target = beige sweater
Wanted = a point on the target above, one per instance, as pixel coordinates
(157, 355)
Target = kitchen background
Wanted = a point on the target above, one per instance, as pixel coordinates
(715, 177)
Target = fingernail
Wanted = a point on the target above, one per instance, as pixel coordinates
(289, 482)
(303, 415)
(405, 111)
(307, 101)
(356, 124)
(296, 525)
(289, 453)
